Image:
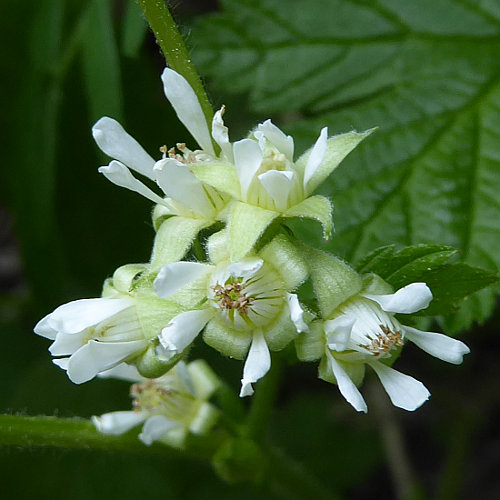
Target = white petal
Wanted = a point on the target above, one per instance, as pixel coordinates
(174, 276)
(346, 386)
(245, 268)
(405, 391)
(118, 422)
(116, 143)
(406, 300)
(95, 357)
(155, 428)
(296, 313)
(316, 157)
(120, 175)
(44, 329)
(278, 184)
(188, 108)
(438, 345)
(257, 363)
(338, 332)
(220, 134)
(283, 142)
(123, 371)
(61, 363)
(67, 343)
(183, 329)
(78, 315)
(180, 184)
(247, 159)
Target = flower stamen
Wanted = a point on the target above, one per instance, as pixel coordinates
(384, 342)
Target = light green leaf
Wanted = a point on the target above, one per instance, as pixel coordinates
(315, 207)
(427, 72)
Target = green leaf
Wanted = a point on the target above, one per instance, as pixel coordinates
(449, 281)
(101, 63)
(427, 72)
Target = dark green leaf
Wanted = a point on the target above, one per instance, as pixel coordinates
(427, 72)
(134, 29)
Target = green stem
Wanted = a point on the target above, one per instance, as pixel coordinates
(78, 433)
(174, 49)
(263, 401)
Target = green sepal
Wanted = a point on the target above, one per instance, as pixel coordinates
(334, 281)
(125, 277)
(217, 246)
(239, 460)
(373, 284)
(355, 371)
(150, 365)
(310, 346)
(108, 290)
(176, 438)
(337, 148)
(205, 381)
(154, 313)
(221, 176)
(160, 214)
(286, 258)
(246, 224)
(227, 340)
(173, 239)
(281, 332)
(315, 207)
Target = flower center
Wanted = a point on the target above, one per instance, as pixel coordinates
(384, 342)
(184, 155)
(232, 296)
(273, 161)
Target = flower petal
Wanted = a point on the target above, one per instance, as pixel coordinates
(346, 386)
(155, 428)
(247, 159)
(75, 316)
(44, 329)
(257, 363)
(111, 137)
(183, 329)
(180, 184)
(95, 357)
(188, 108)
(174, 276)
(338, 332)
(406, 300)
(120, 175)
(438, 345)
(283, 142)
(118, 422)
(122, 371)
(405, 391)
(220, 134)
(61, 363)
(316, 156)
(245, 268)
(67, 343)
(278, 184)
(296, 313)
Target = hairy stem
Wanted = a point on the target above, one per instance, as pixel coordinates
(175, 51)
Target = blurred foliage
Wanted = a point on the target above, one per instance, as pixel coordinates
(426, 72)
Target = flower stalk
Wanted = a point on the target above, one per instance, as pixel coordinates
(172, 45)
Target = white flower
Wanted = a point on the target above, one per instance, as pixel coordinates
(183, 194)
(363, 331)
(168, 406)
(247, 305)
(267, 183)
(97, 334)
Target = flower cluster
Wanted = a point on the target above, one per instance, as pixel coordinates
(226, 267)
